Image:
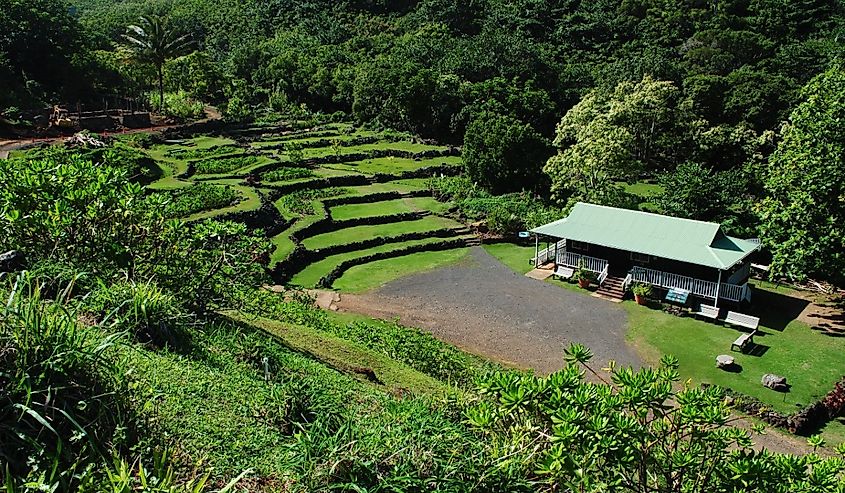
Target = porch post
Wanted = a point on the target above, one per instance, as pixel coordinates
(536, 249)
(718, 289)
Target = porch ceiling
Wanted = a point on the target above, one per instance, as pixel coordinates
(685, 240)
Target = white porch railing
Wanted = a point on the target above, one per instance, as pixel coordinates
(698, 287)
(627, 282)
(549, 253)
(603, 275)
(571, 259)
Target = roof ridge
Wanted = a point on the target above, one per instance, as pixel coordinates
(646, 213)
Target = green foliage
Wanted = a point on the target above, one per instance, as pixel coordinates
(153, 42)
(67, 209)
(140, 308)
(502, 154)
(613, 136)
(180, 106)
(287, 173)
(214, 165)
(203, 152)
(504, 213)
(302, 202)
(694, 192)
(632, 432)
(61, 404)
(418, 349)
(42, 52)
(640, 289)
(199, 197)
(802, 214)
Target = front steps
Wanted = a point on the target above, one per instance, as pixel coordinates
(612, 288)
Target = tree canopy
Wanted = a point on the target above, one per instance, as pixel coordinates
(803, 213)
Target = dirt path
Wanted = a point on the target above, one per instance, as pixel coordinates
(211, 113)
(485, 308)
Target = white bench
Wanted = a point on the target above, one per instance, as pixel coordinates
(742, 320)
(742, 341)
(564, 272)
(708, 311)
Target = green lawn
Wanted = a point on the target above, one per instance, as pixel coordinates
(399, 146)
(375, 274)
(312, 274)
(646, 191)
(810, 361)
(282, 243)
(514, 256)
(383, 208)
(388, 207)
(359, 233)
(393, 165)
(407, 185)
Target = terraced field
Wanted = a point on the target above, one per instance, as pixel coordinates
(344, 207)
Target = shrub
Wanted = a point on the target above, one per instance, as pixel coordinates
(287, 173)
(199, 197)
(301, 202)
(179, 105)
(503, 154)
(213, 165)
(143, 309)
(68, 209)
(202, 153)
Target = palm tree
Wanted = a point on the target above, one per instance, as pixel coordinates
(151, 41)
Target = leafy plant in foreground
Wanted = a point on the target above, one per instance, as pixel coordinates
(633, 432)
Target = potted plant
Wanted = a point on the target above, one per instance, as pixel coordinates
(641, 293)
(584, 277)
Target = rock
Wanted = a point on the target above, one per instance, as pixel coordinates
(12, 261)
(724, 361)
(774, 382)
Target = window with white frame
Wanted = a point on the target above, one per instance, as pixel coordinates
(578, 246)
(640, 258)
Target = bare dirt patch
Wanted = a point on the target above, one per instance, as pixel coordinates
(484, 307)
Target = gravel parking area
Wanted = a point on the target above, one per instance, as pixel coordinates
(484, 307)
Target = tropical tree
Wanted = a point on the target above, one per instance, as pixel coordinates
(503, 154)
(803, 214)
(697, 192)
(615, 135)
(152, 41)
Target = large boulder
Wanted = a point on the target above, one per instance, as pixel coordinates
(724, 361)
(12, 261)
(775, 382)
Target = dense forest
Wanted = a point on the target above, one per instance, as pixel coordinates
(138, 353)
(691, 94)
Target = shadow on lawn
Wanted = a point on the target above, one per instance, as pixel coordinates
(776, 310)
(758, 350)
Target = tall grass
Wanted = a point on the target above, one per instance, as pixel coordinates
(59, 388)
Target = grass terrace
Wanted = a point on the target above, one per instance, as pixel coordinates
(394, 145)
(375, 274)
(360, 233)
(312, 274)
(393, 165)
(388, 207)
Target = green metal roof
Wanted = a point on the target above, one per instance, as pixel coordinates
(685, 240)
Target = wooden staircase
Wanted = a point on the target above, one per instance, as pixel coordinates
(612, 288)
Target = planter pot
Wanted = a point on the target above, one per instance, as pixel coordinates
(641, 300)
(584, 283)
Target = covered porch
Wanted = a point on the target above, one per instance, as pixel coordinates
(556, 253)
